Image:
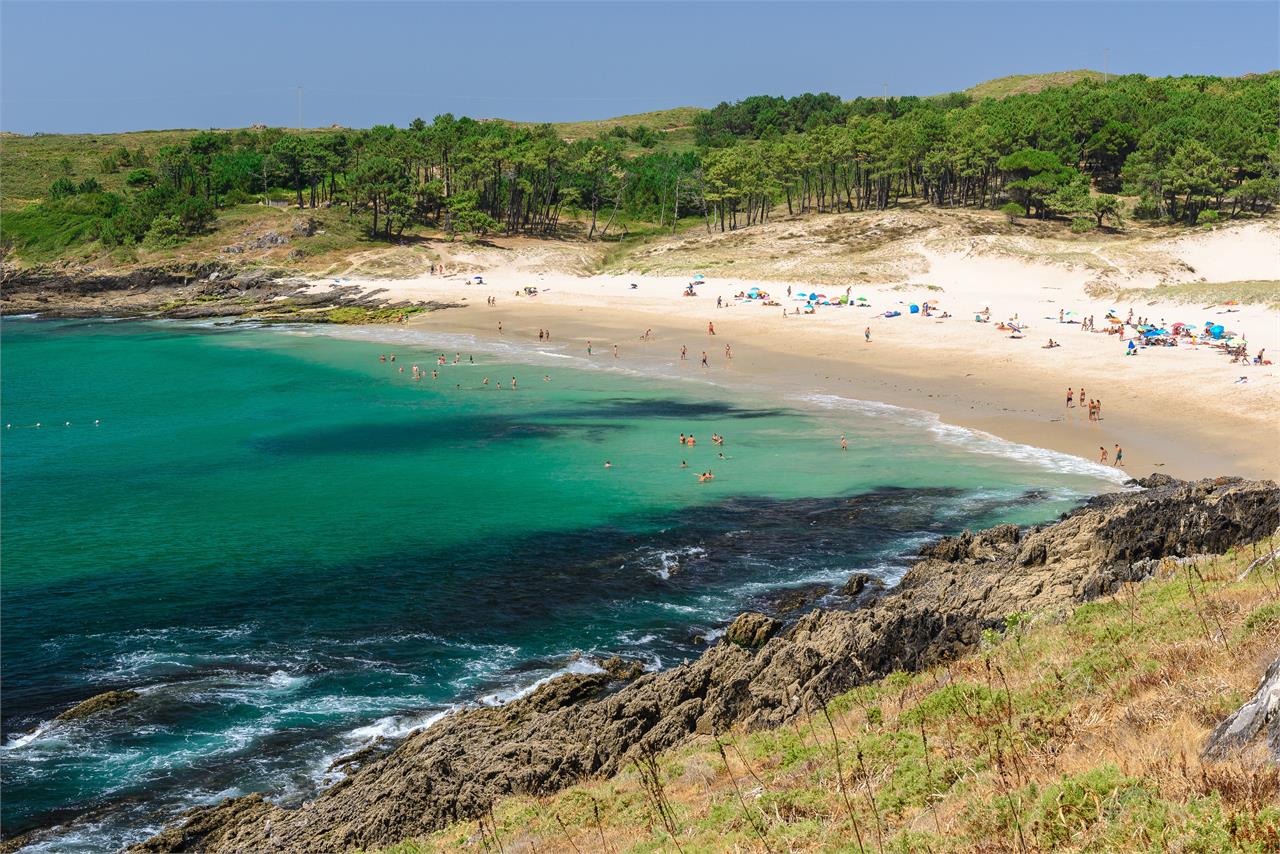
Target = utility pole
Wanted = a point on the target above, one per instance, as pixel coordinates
(299, 108)
(886, 92)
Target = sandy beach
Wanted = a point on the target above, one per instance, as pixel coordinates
(1186, 410)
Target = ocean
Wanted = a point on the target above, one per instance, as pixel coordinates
(292, 548)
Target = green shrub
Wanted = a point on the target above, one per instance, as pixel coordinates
(1262, 618)
(1068, 808)
(1012, 210)
(166, 230)
(140, 178)
(62, 188)
(1082, 224)
(1209, 217)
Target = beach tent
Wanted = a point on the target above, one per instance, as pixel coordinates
(915, 309)
(1216, 331)
(844, 300)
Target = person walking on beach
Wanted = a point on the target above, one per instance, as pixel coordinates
(719, 302)
(684, 351)
(866, 333)
(1119, 463)
(1070, 391)
(499, 327)
(1102, 454)
(704, 358)
(615, 351)
(711, 328)
(1097, 410)
(728, 352)
(588, 346)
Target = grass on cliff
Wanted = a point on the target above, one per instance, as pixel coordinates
(1077, 732)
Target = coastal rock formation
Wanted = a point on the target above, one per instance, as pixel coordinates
(751, 629)
(573, 727)
(1258, 720)
(105, 701)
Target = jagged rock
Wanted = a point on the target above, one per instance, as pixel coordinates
(793, 599)
(621, 669)
(572, 728)
(856, 584)
(751, 629)
(303, 228)
(103, 702)
(1258, 720)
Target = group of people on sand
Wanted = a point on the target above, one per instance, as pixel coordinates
(1094, 406)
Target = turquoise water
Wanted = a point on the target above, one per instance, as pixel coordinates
(291, 547)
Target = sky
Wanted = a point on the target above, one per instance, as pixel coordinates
(98, 66)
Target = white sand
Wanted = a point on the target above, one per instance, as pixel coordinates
(1179, 410)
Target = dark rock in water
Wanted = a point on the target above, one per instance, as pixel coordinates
(572, 728)
(98, 703)
(621, 669)
(1257, 721)
(792, 599)
(856, 584)
(751, 629)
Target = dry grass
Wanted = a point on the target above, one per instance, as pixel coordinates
(1080, 734)
(1023, 84)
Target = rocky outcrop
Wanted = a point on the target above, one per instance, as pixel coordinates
(98, 703)
(1255, 722)
(573, 727)
(751, 629)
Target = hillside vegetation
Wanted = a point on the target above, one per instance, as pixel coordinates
(1080, 732)
(1183, 151)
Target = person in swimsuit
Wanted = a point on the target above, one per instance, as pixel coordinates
(1119, 463)
(1070, 393)
(711, 328)
(844, 443)
(1102, 454)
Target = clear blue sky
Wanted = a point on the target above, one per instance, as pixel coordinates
(105, 66)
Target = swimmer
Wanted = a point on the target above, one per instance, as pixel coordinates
(435, 374)
(546, 378)
(608, 464)
(690, 441)
(844, 443)
(513, 383)
(682, 439)
(486, 381)
(683, 464)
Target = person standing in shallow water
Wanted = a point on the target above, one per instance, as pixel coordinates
(866, 333)
(1119, 458)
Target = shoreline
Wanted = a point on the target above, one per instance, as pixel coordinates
(1008, 405)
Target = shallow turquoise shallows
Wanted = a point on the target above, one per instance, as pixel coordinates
(291, 547)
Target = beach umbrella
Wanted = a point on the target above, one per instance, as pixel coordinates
(698, 277)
